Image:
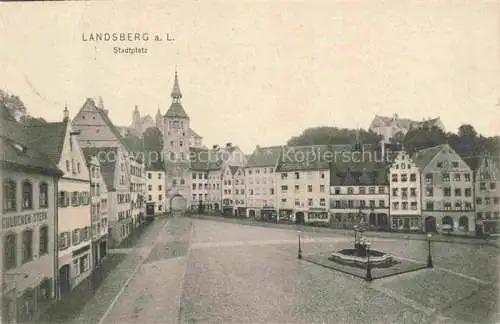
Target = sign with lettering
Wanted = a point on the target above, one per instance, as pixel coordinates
(20, 220)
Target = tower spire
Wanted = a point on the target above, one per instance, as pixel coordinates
(176, 90)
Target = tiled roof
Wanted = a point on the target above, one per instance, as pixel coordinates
(48, 138)
(104, 115)
(423, 157)
(313, 157)
(359, 174)
(176, 111)
(265, 156)
(16, 150)
(233, 169)
(202, 159)
(193, 133)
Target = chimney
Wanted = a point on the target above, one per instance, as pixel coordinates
(215, 147)
(66, 113)
(229, 144)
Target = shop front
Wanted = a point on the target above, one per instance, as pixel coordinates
(241, 212)
(406, 223)
(269, 215)
(286, 215)
(317, 215)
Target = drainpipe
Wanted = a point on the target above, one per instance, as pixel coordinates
(56, 239)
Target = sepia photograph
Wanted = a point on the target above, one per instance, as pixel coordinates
(250, 161)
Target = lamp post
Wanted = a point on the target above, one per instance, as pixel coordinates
(368, 266)
(11, 275)
(355, 236)
(429, 257)
(299, 256)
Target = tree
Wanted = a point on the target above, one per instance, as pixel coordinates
(153, 140)
(32, 121)
(332, 135)
(13, 104)
(421, 138)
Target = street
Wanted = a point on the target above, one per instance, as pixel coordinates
(200, 271)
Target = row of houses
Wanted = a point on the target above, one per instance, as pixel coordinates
(65, 200)
(433, 190)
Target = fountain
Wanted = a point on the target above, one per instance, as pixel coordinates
(361, 255)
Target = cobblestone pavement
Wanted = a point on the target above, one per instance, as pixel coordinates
(201, 271)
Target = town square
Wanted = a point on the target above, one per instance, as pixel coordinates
(287, 163)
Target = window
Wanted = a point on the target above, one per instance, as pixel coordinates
(428, 178)
(78, 167)
(309, 202)
(182, 181)
(322, 202)
(284, 188)
(446, 177)
(482, 186)
(43, 197)
(159, 187)
(350, 190)
(381, 204)
(394, 177)
(404, 177)
(63, 241)
(44, 240)
(381, 190)
(395, 205)
(9, 195)
(413, 205)
(456, 177)
(309, 188)
(413, 177)
(467, 177)
(322, 175)
(149, 175)
(394, 192)
(458, 192)
(160, 197)
(9, 251)
(150, 187)
(454, 164)
(337, 191)
(429, 205)
(297, 175)
(74, 198)
(322, 188)
(67, 166)
(75, 237)
(27, 195)
(493, 186)
(468, 192)
(447, 192)
(27, 245)
(362, 190)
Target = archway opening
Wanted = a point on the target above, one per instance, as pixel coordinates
(430, 224)
(463, 223)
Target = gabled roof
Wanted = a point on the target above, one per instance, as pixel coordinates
(423, 157)
(17, 150)
(193, 133)
(234, 169)
(107, 121)
(265, 156)
(359, 174)
(48, 138)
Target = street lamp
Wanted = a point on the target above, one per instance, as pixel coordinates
(13, 275)
(368, 266)
(429, 257)
(299, 256)
(355, 236)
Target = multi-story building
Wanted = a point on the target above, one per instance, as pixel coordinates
(113, 153)
(98, 207)
(487, 193)
(359, 192)
(302, 181)
(233, 191)
(260, 181)
(137, 190)
(74, 222)
(155, 182)
(389, 127)
(447, 190)
(404, 183)
(29, 224)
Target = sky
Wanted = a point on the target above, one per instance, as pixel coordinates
(259, 72)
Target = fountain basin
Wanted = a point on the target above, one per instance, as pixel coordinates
(352, 257)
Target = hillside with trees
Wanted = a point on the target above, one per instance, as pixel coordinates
(466, 141)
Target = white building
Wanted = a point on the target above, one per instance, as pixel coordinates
(98, 207)
(302, 182)
(155, 182)
(260, 181)
(233, 191)
(29, 224)
(405, 199)
(60, 142)
(390, 127)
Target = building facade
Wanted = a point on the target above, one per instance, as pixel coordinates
(155, 182)
(487, 194)
(74, 222)
(404, 182)
(302, 182)
(447, 196)
(29, 225)
(391, 127)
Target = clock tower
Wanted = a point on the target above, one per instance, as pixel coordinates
(176, 152)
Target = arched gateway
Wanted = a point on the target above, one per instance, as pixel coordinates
(178, 203)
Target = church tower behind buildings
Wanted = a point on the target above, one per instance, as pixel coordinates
(176, 152)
